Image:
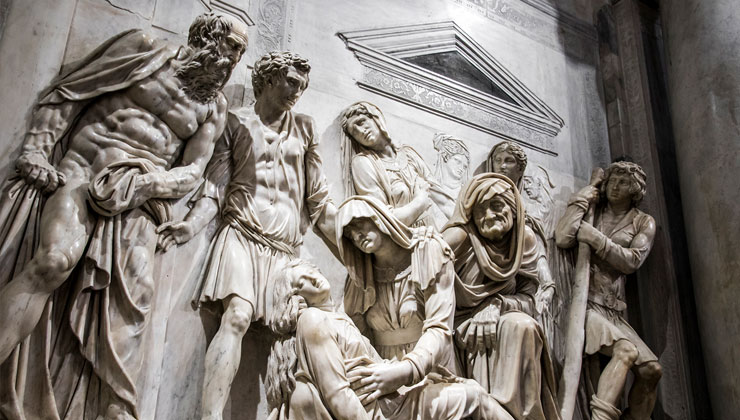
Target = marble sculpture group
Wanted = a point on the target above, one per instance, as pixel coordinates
(449, 279)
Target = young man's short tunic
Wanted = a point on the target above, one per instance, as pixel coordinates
(269, 187)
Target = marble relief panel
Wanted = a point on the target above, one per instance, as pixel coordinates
(170, 386)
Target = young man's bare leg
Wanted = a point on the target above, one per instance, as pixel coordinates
(223, 356)
(612, 379)
(644, 391)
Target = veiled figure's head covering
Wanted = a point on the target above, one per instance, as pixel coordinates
(447, 146)
(498, 263)
(429, 252)
(348, 144)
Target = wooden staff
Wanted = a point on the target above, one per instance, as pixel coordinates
(575, 330)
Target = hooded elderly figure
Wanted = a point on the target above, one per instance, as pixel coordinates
(400, 290)
(499, 268)
(374, 165)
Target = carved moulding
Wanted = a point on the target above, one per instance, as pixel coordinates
(225, 6)
(521, 117)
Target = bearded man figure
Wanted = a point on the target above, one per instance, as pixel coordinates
(102, 144)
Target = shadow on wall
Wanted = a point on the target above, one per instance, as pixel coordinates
(4, 9)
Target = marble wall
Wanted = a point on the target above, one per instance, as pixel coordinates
(554, 54)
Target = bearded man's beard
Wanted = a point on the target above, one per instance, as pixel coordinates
(204, 74)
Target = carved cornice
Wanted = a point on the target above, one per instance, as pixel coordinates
(225, 6)
(381, 51)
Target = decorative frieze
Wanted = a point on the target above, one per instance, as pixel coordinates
(524, 118)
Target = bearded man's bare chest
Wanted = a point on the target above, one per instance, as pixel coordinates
(151, 120)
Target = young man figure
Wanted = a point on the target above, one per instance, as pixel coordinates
(265, 178)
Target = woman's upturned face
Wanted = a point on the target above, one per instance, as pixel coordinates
(493, 218)
(365, 235)
(364, 130)
(311, 285)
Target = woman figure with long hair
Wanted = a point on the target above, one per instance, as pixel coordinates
(374, 165)
(316, 368)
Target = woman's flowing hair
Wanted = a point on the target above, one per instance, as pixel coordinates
(281, 364)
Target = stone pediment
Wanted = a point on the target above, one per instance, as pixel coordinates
(439, 68)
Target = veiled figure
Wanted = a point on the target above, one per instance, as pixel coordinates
(499, 267)
(400, 287)
(374, 165)
(318, 373)
(450, 172)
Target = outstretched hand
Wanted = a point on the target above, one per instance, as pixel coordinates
(39, 173)
(171, 233)
(376, 380)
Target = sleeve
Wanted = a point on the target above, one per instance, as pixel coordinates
(324, 362)
(436, 338)
(422, 169)
(365, 179)
(218, 172)
(628, 259)
(317, 190)
(567, 227)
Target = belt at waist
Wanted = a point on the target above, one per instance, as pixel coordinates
(397, 337)
(607, 301)
(257, 236)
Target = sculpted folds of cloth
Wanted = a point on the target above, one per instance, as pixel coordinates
(400, 286)
(102, 144)
(499, 267)
(620, 239)
(319, 372)
(450, 172)
(265, 180)
(375, 165)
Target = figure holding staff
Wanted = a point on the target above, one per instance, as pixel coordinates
(620, 239)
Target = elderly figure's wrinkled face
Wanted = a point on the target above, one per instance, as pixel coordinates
(505, 163)
(309, 283)
(493, 218)
(619, 188)
(365, 235)
(364, 130)
(286, 89)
